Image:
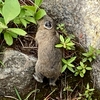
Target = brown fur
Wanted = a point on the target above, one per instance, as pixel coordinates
(49, 58)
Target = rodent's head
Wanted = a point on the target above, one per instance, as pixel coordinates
(46, 22)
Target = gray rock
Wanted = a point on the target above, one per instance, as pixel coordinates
(81, 17)
(16, 72)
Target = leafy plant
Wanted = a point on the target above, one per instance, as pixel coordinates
(68, 88)
(87, 95)
(81, 69)
(68, 64)
(1, 63)
(91, 54)
(61, 27)
(65, 43)
(11, 11)
(30, 14)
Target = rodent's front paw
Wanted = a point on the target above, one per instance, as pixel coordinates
(37, 79)
(53, 84)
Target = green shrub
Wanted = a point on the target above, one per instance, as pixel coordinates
(12, 12)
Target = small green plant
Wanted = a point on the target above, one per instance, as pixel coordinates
(11, 11)
(90, 55)
(27, 97)
(48, 96)
(19, 97)
(68, 64)
(30, 14)
(61, 27)
(68, 88)
(87, 95)
(65, 43)
(81, 69)
(68, 44)
(1, 63)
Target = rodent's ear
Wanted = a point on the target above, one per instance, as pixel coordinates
(48, 25)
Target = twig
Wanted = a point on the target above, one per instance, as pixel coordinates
(61, 92)
(23, 2)
(1, 42)
(26, 47)
(11, 97)
(50, 94)
(31, 1)
(30, 47)
(35, 93)
(75, 87)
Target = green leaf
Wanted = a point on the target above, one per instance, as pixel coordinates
(94, 57)
(31, 19)
(81, 63)
(1, 30)
(17, 31)
(84, 60)
(27, 97)
(14, 35)
(70, 44)
(2, 20)
(2, 25)
(67, 40)
(63, 68)
(81, 74)
(68, 48)
(0, 10)
(90, 59)
(38, 2)
(71, 69)
(31, 9)
(29, 13)
(1, 63)
(64, 61)
(61, 38)
(98, 52)
(84, 71)
(79, 68)
(88, 68)
(91, 89)
(39, 14)
(24, 22)
(58, 45)
(11, 9)
(17, 93)
(70, 65)
(85, 54)
(17, 21)
(22, 12)
(0, 0)
(8, 38)
(71, 59)
(76, 73)
(87, 87)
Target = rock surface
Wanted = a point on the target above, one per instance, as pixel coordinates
(81, 17)
(16, 72)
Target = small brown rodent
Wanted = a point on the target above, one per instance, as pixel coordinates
(49, 58)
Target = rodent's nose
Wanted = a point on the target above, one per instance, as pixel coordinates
(48, 25)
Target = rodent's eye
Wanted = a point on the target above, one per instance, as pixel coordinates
(48, 25)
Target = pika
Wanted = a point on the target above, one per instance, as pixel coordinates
(49, 58)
